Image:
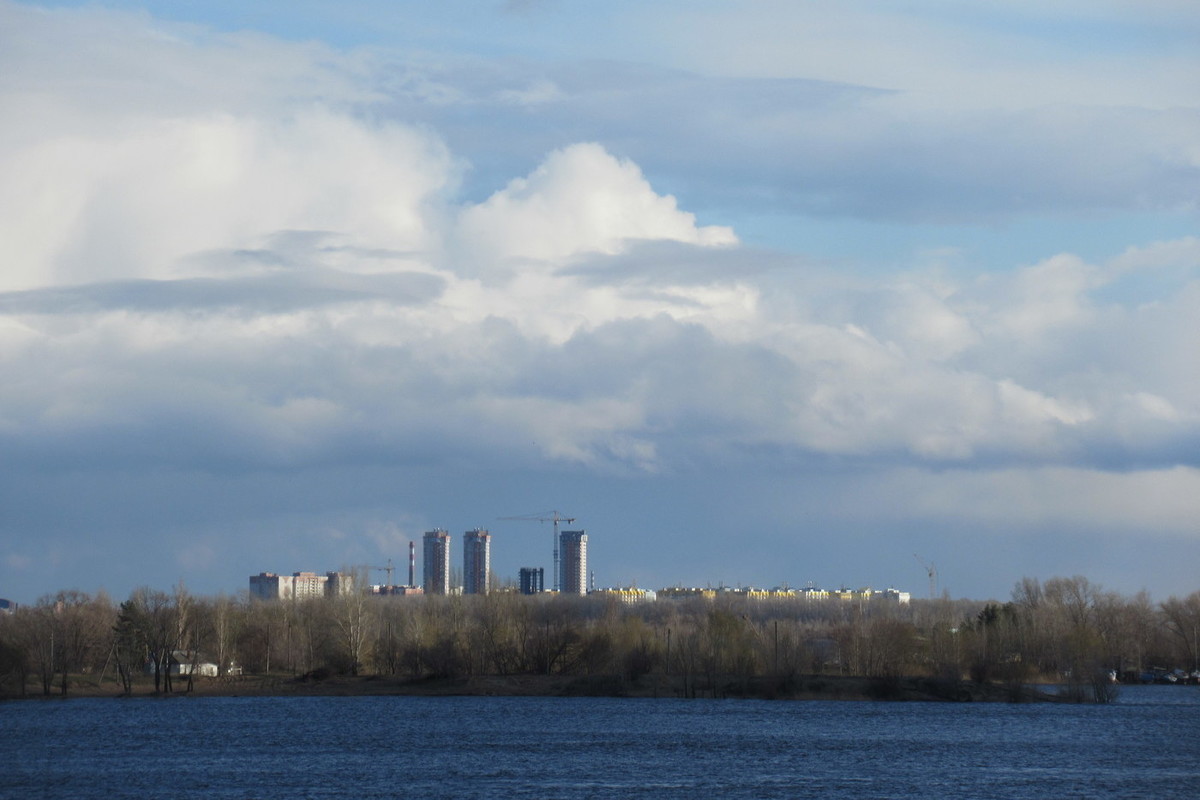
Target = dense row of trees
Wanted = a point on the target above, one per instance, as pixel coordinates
(1065, 629)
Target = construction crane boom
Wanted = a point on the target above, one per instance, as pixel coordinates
(389, 569)
(547, 516)
(931, 571)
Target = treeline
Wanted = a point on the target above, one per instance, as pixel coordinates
(1063, 630)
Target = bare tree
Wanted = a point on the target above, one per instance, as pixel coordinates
(1181, 619)
(155, 615)
(130, 648)
(496, 636)
(225, 621)
(82, 625)
(14, 665)
(354, 620)
(41, 630)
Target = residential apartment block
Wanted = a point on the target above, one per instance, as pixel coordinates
(573, 561)
(300, 585)
(437, 562)
(477, 561)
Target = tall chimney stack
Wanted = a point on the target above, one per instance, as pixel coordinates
(412, 563)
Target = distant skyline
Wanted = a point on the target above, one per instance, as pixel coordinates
(761, 293)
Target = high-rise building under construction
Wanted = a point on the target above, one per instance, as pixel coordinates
(573, 561)
(477, 561)
(532, 580)
(437, 562)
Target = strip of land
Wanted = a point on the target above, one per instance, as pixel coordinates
(811, 687)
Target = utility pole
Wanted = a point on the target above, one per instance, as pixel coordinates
(776, 664)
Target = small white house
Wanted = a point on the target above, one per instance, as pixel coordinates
(184, 662)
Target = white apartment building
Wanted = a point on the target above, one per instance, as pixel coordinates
(573, 561)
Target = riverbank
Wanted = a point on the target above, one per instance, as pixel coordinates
(810, 687)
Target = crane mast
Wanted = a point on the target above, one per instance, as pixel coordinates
(389, 569)
(554, 517)
(931, 571)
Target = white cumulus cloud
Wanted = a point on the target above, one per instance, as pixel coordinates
(579, 200)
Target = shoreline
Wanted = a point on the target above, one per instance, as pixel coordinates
(798, 688)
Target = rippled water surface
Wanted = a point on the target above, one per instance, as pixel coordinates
(1144, 746)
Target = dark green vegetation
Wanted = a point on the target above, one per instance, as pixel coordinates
(1064, 631)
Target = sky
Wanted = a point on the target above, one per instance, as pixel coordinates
(761, 293)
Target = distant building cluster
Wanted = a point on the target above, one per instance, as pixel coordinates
(864, 594)
(437, 576)
(571, 559)
(628, 595)
(300, 585)
(477, 564)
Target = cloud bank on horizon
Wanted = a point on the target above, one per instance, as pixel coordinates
(252, 281)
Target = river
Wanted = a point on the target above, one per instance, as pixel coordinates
(1143, 746)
